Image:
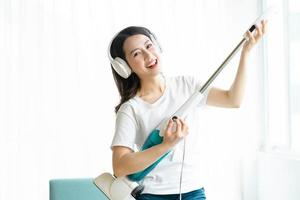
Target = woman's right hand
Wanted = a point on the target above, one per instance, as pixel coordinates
(126, 161)
(171, 136)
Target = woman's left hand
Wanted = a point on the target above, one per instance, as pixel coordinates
(255, 36)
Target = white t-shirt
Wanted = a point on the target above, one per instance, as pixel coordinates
(136, 119)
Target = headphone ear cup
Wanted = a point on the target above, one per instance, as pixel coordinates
(121, 67)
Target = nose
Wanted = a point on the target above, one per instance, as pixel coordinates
(148, 55)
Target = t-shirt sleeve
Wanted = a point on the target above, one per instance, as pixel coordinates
(194, 85)
(125, 130)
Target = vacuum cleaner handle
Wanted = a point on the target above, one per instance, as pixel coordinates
(267, 14)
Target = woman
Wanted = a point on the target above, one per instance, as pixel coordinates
(147, 98)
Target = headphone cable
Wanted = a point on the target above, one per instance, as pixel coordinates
(181, 171)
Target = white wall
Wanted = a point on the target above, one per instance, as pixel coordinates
(57, 93)
(279, 176)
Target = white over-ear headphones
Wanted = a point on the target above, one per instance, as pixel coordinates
(120, 65)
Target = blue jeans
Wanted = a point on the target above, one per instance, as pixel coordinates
(194, 195)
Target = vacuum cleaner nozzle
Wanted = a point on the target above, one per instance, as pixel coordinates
(118, 188)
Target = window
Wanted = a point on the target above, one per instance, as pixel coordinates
(294, 71)
(282, 77)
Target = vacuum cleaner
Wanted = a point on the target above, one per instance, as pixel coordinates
(127, 188)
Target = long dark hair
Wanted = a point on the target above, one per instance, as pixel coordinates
(127, 87)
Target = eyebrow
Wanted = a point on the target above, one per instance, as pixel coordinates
(138, 48)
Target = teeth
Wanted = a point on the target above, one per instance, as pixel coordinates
(152, 63)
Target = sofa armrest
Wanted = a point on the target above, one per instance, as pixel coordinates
(75, 189)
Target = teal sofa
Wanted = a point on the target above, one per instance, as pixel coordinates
(75, 189)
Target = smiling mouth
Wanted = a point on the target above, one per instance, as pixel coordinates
(152, 64)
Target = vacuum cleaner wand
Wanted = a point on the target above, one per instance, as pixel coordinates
(185, 108)
(265, 16)
(191, 103)
(216, 73)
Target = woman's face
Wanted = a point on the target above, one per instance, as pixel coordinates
(142, 56)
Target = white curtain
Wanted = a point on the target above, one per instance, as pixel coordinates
(57, 94)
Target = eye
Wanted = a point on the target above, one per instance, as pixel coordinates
(148, 46)
(136, 53)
